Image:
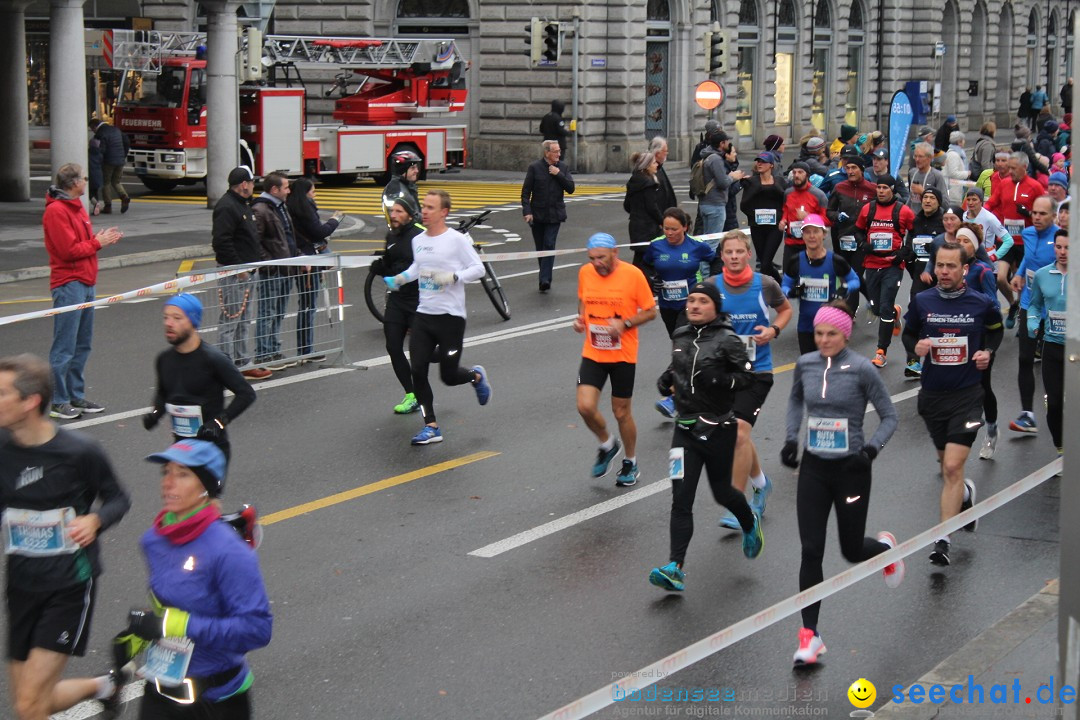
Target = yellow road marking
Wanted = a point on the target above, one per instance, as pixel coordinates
(185, 267)
(373, 487)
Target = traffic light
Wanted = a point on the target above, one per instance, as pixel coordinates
(716, 52)
(545, 41)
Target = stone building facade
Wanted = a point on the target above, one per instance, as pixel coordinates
(801, 65)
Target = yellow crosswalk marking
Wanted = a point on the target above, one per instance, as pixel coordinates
(367, 199)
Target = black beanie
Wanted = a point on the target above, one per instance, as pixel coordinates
(712, 291)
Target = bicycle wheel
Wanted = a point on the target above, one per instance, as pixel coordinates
(494, 290)
(375, 295)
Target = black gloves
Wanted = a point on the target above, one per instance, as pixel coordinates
(1023, 210)
(213, 430)
(657, 285)
(663, 385)
(145, 624)
(790, 454)
(150, 419)
(870, 452)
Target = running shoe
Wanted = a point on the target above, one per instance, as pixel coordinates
(729, 521)
(810, 646)
(897, 323)
(669, 578)
(313, 359)
(893, 572)
(408, 404)
(604, 458)
(940, 553)
(112, 707)
(1024, 424)
(879, 360)
(913, 371)
(990, 445)
(666, 406)
(1010, 319)
(85, 406)
(64, 411)
(427, 435)
(757, 502)
(628, 475)
(482, 386)
(966, 504)
(753, 542)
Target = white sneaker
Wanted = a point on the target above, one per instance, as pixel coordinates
(894, 572)
(990, 445)
(810, 646)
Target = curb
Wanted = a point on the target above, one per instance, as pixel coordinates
(119, 261)
(978, 655)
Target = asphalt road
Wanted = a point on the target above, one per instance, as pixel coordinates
(380, 610)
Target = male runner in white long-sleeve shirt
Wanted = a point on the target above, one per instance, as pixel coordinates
(443, 261)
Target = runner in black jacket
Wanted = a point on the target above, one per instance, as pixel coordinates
(708, 364)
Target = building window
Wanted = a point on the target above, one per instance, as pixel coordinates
(822, 16)
(433, 9)
(855, 18)
(786, 13)
(658, 10)
(748, 13)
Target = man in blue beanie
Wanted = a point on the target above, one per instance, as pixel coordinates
(192, 377)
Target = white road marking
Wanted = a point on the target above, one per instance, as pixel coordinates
(541, 531)
(92, 708)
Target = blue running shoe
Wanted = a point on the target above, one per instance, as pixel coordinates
(757, 502)
(628, 475)
(913, 371)
(729, 521)
(666, 406)
(753, 542)
(427, 435)
(669, 578)
(482, 386)
(604, 458)
(1024, 424)
(1010, 319)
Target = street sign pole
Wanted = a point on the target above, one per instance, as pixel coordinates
(574, 92)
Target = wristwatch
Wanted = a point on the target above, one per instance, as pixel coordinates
(775, 330)
(628, 324)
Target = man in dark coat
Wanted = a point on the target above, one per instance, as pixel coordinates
(542, 203)
(113, 144)
(553, 127)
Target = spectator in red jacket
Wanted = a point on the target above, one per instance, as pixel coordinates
(73, 247)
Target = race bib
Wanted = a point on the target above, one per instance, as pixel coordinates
(1015, 227)
(815, 289)
(167, 661)
(601, 338)
(767, 217)
(1029, 277)
(675, 463)
(427, 282)
(186, 419)
(795, 228)
(949, 350)
(38, 533)
(921, 243)
(848, 244)
(825, 436)
(880, 241)
(750, 345)
(1057, 321)
(675, 290)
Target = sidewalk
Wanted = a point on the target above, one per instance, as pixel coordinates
(1021, 646)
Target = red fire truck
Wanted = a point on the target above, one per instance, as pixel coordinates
(162, 105)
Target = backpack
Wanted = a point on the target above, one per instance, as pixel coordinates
(698, 187)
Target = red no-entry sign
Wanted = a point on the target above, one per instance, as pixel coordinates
(709, 95)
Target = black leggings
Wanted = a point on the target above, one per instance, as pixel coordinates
(824, 484)
(715, 455)
(670, 316)
(990, 409)
(156, 707)
(766, 240)
(1025, 375)
(448, 332)
(395, 327)
(1053, 376)
(806, 342)
(882, 284)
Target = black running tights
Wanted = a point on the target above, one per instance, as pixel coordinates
(990, 409)
(1053, 376)
(448, 332)
(823, 485)
(715, 455)
(1025, 375)
(156, 707)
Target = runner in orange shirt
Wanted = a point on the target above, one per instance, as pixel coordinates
(614, 298)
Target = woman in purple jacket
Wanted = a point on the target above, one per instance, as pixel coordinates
(209, 603)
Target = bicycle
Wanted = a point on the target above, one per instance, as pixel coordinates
(375, 294)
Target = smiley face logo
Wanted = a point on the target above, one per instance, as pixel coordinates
(862, 693)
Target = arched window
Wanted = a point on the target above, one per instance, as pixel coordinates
(748, 13)
(855, 17)
(658, 10)
(1033, 28)
(822, 15)
(432, 17)
(786, 13)
(856, 63)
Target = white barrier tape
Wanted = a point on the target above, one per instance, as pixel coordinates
(743, 629)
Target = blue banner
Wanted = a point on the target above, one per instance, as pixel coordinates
(900, 117)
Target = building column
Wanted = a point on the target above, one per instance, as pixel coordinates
(15, 141)
(222, 97)
(68, 118)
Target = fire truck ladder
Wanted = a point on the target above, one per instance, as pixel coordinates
(142, 50)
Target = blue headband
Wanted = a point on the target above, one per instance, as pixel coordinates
(600, 240)
(189, 305)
